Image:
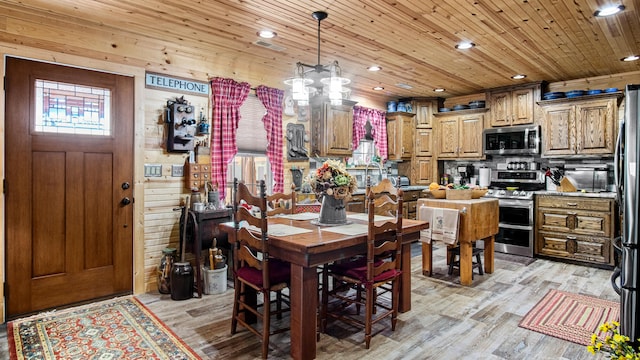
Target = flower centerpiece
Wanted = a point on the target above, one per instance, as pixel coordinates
(332, 179)
(332, 183)
(617, 345)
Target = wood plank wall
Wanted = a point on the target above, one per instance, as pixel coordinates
(29, 35)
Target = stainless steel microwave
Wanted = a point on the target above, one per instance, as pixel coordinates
(513, 140)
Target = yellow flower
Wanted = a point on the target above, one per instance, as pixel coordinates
(616, 344)
(619, 338)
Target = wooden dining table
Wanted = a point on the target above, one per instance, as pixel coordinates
(319, 245)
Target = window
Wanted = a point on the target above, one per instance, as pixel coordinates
(249, 168)
(250, 163)
(63, 108)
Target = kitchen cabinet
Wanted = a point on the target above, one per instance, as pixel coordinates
(580, 126)
(459, 134)
(424, 110)
(513, 105)
(331, 128)
(424, 170)
(424, 142)
(400, 133)
(356, 204)
(575, 228)
(410, 203)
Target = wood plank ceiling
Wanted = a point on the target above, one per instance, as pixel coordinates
(412, 40)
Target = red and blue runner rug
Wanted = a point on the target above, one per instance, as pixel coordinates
(122, 328)
(569, 316)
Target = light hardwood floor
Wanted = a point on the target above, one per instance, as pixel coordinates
(447, 321)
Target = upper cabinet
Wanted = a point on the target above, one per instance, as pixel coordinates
(580, 126)
(424, 142)
(331, 128)
(460, 135)
(424, 110)
(514, 105)
(400, 132)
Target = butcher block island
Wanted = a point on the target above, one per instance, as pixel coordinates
(478, 220)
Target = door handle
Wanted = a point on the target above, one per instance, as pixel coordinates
(125, 201)
(125, 185)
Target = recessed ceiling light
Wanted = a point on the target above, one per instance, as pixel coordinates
(378, 88)
(438, 89)
(465, 45)
(267, 34)
(609, 10)
(631, 58)
(518, 76)
(374, 68)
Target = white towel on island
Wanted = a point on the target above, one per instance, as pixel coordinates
(443, 224)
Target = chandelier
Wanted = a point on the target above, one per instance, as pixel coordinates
(330, 77)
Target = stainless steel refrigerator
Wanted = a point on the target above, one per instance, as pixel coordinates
(626, 169)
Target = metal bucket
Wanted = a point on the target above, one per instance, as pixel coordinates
(332, 211)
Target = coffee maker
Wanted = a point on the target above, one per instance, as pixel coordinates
(466, 172)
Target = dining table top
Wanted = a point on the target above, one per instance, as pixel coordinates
(298, 233)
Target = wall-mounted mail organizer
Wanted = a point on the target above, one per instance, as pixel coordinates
(179, 115)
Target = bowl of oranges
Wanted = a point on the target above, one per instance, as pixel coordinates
(436, 191)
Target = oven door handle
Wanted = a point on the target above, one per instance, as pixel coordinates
(516, 204)
(516, 227)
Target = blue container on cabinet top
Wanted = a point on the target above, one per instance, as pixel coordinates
(392, 106)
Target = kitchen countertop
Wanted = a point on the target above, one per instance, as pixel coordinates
(360, 191)
(602, 195)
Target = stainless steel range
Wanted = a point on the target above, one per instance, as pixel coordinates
(514, 190)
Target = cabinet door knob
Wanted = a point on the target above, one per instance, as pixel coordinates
(125, 201)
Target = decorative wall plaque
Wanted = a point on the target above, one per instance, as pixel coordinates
(296, 139)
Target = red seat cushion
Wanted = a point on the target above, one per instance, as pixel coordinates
(342, 267)
(357, 269)
(279, 272)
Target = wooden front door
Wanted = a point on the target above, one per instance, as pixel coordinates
(69, 185)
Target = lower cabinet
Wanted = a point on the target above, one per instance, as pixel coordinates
(410, 203)
(356, 204)
(575, 228)
(423, 170)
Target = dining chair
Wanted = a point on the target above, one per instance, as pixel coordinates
(254, 271)
(381, 191)
(282, 203)
(380, 268)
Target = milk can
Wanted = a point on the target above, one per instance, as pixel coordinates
(164, 270)
(181, 281)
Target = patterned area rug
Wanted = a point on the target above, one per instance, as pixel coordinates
(121, 328)
(570, 316)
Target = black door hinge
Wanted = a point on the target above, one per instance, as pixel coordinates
(5, 290)
(4, 186)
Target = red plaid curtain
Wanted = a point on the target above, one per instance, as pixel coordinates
(227, 96)
(271, 98)
(378, 123)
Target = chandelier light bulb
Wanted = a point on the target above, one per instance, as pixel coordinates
(299, 89)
